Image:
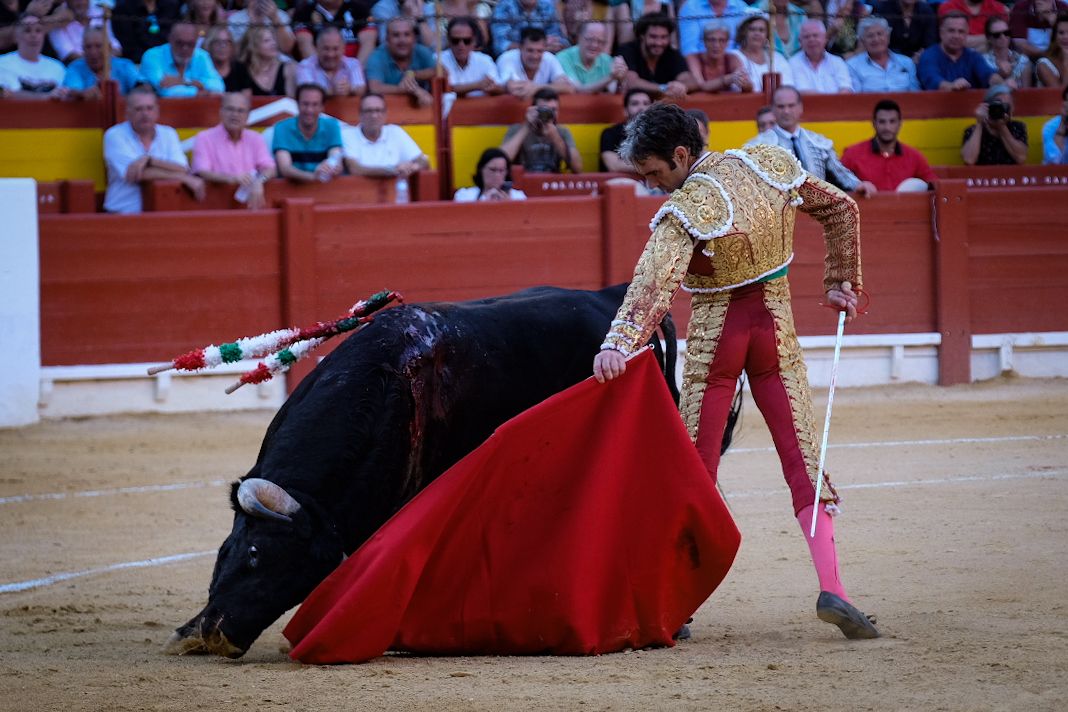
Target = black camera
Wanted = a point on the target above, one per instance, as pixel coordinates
(996, 111)
(546, 114)
(507, 186)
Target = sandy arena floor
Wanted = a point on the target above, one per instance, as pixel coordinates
(954, 533)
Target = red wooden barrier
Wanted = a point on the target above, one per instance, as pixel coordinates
(66, 196)
(1005, 176)
(560, 184)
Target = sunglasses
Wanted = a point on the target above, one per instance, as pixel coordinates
(995, 35)
(462, 40)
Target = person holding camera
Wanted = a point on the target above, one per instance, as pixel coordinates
(999, 140)
(493, 180)
(539, 144)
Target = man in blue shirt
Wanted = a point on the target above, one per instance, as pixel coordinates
(83, 74)
(949, 65)
(307, 147)
(511, 16)
(401, 66)
(178, 68)
(877, 69)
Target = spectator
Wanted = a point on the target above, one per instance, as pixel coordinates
(178, 68)
(203, 14)
(140, 149)
(307, 147)
(401, 66)
(510, 17)
(1000, 140)
(83, 74)
(575, 14)
(878, 69)
(1054, 132)
(652, 63)
(1052, 69)
(884, 161)
(702, 124)
(471, 73)
(26, 72)
(67, 40)
(263, 13)
(1031, 24)
(219, 45)
(635, 101)
(622, 15)
(765, 119)
(695, 16)
(142, 24)
(715, 70)
(752, 41)
(814, 69)
(788, 19)
(352, 17)
(375, 148)
(269, 75)
(446, 11)
(493, 180)
(231, 154)
(385, 10)
(844, 25)
(913, 25)
(815, 152)
(949, 65)
(1014, 67)
(540, 143)
(337, 74)
(977, 12)
(53, 15)
(587, 64)
(529, 69)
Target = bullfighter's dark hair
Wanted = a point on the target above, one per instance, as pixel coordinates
(657, 131)
(488, 155)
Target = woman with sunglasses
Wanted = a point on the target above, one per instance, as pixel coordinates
(1014, 68)
(493, 180)
(470, 72)
(219, 44)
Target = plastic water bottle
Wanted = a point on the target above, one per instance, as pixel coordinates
(242, 192)
(334, 162)
(403, 196)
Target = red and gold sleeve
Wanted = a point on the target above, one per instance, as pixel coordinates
(657, 277)
(839, 216)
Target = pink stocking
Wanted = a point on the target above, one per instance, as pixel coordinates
(824, 556)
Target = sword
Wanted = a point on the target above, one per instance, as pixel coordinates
(827, 420)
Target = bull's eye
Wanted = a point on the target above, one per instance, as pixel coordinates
(253, 556)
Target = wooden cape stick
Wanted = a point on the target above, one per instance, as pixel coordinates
(827, 419)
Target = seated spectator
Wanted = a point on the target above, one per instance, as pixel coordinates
(715, 69)
(385, 10)
(635, 101)
(995, 139)
(269, 73)
(814, 69)
(752, 52)
(143, 24)
(52, 15)
(1052, 69)
(493, 180)
(471, 73)
(787, 30)
(26, 73)
(263, 13)
(529, 69)
(765, 119)
(913, 25)
(352, 17)
(204, 14)
(977, 12)
(575, 14)
(478, 10)
(877, 69)
(233, 155)
(815, 152)
(621, 15)
(220, 47)
(140, 149)
(949, 65)
(375, 148)
(540, 144)
(695, 17)
(337, 74)
(307, 147)
(510, 17)
(178, 68)
(83, 74)
(1014, 67)
(1031, 24)
(67, 40)
(401, 66)
(587, 64)
(652, 63)
(702, 124)
(884, 161)
(1054, 132)
(844, 24)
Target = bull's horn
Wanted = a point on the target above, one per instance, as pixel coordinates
(266, 500)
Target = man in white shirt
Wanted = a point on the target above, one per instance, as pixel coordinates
(24, 72)
(471, 73)
(67, 40)
(375, 148)
(814, 69)
(529, 68)
(139, 149)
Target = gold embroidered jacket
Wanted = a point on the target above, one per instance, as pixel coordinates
(730, 224)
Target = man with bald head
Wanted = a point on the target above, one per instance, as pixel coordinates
(179, 68)
(588, 64)
(233, 155)
(84, 74)
(814, 69)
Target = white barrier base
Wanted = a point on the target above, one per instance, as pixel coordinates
(20, 326)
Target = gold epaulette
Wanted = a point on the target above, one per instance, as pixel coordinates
(701, 205)
(775, 165)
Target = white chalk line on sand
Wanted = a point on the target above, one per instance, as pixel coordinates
(164, 560)
(112, 491)
(904, 443)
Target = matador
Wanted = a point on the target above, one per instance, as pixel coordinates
(725, 234)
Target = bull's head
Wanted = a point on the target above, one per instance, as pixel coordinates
(276, 554)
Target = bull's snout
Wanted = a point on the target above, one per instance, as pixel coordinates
(199, 637)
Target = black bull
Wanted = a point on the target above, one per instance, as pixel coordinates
(393, 407)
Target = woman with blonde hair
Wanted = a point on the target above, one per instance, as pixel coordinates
(752, 40)
(1052, 69)
(270, 72)
(219, 44)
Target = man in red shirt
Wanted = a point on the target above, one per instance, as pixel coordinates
(886, 162)
(978, 12)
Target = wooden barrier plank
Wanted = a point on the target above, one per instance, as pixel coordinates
(952, 280)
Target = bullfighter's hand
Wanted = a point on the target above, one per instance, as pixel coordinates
(844, 298)
(609, 364)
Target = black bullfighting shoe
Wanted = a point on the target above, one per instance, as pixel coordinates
(683, 633)
(854, 624)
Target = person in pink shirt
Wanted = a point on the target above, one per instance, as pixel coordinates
(978, 12)
(231, 154)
